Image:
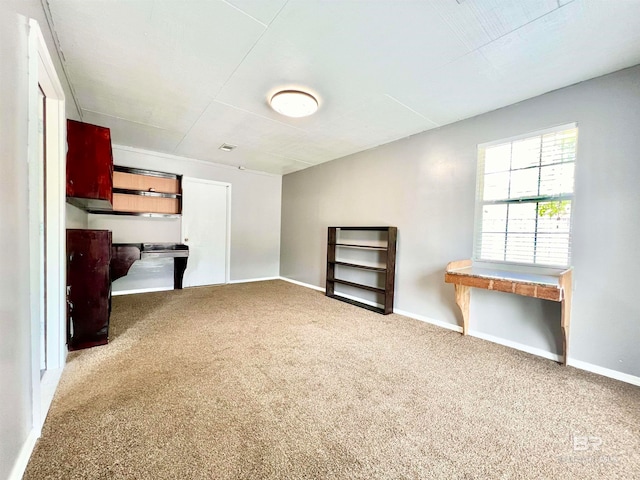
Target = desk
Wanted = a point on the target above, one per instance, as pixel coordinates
(558, 288)
(124, 254)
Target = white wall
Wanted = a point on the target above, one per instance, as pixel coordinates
(255, 219)
(76, 218)
(425, 185)
(15, 356)
(16, 412)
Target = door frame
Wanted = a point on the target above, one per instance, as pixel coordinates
(227, 254)
(42, 74)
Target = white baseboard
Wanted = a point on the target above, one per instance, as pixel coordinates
(518, 346)
(164, 289)
(20, 465)
(48, 386)
(141, 290)
(433, 321)
(302, 284)
(606, 372)
(623, 377)
(249, 280)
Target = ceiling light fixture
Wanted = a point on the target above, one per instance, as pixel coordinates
(294, 103)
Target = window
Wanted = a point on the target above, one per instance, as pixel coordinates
(524, 198)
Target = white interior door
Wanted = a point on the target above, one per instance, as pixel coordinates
(205, 228)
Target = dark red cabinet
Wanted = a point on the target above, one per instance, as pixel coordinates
(89, 166)
(88, 287)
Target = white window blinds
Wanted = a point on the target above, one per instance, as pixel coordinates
(524, 198)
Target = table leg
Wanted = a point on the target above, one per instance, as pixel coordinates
(566, 284)
(463, 296)
(565, 343)
(179, 266)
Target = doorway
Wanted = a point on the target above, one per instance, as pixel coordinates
(206, 225)
(47, 180)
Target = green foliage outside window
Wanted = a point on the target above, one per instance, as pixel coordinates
(553, 209)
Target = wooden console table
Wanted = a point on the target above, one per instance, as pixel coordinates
(558, 288)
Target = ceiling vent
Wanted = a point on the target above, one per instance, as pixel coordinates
(227, 147)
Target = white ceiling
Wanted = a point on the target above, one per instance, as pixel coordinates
(185, 77)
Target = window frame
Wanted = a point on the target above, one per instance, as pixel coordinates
(535, 199)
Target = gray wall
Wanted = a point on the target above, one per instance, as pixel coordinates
(255, 217)
(425, 185)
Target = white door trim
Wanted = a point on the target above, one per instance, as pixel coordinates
(227, 256)
(42, 72)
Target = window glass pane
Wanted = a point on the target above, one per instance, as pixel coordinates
(497, 158)
(517, 224)
(522, 218)
(552, 249)
(524, 183)
(520, 247)
(554, 217)
(492, 246)
(526, 153)
(559, 147)
(496, 186)
(494, 218)
(556, 179)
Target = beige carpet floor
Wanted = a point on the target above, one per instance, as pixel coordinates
(270, 380)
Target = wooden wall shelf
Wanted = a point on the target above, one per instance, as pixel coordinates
(334, 244)
(463, 274)
(147, 193)
(134, 214)
(126, 191)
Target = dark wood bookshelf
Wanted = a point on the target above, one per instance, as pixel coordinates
(388, 270)
(364, 267)
(358, 285)
(353, 245)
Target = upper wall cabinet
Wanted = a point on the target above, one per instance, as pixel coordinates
(89, 166)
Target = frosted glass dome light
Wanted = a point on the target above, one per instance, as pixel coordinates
(294, 103)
